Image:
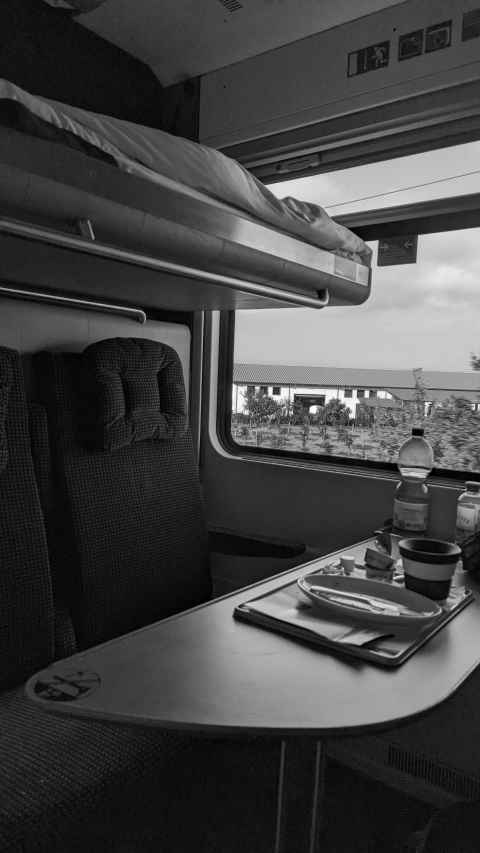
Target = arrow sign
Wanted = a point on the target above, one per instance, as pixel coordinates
(397, 250)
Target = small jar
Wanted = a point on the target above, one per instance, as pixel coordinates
(468, 512)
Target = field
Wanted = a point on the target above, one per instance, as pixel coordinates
(453, 430)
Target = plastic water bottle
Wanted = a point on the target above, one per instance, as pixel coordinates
(415, 457)
(411, 502)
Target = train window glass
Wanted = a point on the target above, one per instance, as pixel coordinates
(421, 177)
(416, 338)
(353, 381)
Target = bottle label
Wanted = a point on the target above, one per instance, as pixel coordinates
(410, 516)
(467, 521)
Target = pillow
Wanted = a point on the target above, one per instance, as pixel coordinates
(137, 392)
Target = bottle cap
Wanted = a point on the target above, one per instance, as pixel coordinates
(418, 431)
(472, 485)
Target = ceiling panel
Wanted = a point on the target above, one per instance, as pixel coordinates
(184, 38)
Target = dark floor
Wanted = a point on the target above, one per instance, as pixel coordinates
(219, 806)
(221, 798)
(364, 816)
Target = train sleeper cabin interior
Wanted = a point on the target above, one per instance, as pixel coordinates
(239, 264)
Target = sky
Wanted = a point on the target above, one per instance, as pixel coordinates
(418, 315)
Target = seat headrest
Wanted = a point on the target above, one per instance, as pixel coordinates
(6, 374)
(137, 390)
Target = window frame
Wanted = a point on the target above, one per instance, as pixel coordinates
(432, 120)
(449, 214)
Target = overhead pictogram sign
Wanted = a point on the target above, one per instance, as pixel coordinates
(397, 250)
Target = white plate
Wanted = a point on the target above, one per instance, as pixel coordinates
(370, 600)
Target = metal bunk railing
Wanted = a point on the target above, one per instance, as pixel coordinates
(88, 245)
(71, 302)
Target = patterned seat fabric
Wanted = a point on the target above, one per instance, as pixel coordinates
(26, 601)
(130, 536)
(73, 786)
(79, 785)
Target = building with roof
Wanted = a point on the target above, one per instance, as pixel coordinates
(315, 385)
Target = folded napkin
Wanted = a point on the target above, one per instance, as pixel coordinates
(288, 605)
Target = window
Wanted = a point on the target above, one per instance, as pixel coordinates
(276, 391)
(415, 339)
(263, 390)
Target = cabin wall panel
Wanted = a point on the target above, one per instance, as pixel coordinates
(324, 509)
(307, 82)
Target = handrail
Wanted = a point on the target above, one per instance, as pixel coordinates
(72, 302)
(103, 250)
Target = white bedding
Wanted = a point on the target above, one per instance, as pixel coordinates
(193, 168)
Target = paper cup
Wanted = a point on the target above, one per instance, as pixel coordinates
(429, 565)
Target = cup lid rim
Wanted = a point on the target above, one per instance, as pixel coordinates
(417, 549)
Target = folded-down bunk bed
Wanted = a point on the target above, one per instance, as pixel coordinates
(100, 208)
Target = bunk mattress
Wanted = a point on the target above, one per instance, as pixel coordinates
(191, 169)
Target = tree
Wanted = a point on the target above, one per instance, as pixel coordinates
(336, 413)
(475, 361)
(260, 407)
(419, 393)
(300, 412)
(305, 433)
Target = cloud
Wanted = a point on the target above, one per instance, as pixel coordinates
(424, 313)
(447, 273)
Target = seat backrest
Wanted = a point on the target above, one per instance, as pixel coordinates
(26, 602)
(130, 531)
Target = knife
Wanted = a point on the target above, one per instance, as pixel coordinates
(361, 602)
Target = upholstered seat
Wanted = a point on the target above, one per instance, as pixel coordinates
(73, 785)
(130, 541)
(65, 785)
